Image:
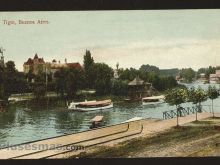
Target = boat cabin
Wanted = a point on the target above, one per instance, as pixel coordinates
(95, 104)
(152, 100)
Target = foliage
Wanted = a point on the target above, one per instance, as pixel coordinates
(119, 87)
(149, 68)
(69, 80)
(212, 92)
(176, 96)
(103, 76)
(188, 74)
(14, 81)
(89, 69)
(128, 74)
(169, 72)
(39, 90)
(197, 95)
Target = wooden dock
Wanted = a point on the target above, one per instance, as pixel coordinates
(65, 146)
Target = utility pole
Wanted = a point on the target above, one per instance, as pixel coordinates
(46, 85)
(2, 57)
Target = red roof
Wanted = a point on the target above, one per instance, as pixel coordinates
(31, 61)
(74, 65)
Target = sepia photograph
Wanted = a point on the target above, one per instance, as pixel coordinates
(110, 84)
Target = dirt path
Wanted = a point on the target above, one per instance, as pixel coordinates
(191, 139)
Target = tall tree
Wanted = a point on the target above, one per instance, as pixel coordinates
(89, 69)
(212, 94)
(196, 96)
(176, 97)
(103, 77)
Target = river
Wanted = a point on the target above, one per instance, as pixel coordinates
(53, 119)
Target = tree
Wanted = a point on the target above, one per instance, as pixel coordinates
(119, 87)
(89, 69)
(60, 81)
(39, 90)
(176, 97)
(196, 96)
(103, 76)
(212, 94)
(2, 79)
(149, 68)
(188, 74)
(69, 80)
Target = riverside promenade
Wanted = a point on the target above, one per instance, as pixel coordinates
(73, 144)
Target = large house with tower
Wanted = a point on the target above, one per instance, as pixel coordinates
(38, 65)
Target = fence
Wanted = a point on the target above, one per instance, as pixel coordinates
(182, 111)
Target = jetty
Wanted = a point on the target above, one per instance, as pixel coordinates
(68, 145)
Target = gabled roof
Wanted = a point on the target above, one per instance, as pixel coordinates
(136, 81)
(31, 61)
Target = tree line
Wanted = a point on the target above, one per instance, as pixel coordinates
(67, 81)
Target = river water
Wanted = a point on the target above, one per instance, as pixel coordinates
(53, 119)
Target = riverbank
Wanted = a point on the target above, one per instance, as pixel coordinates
(197, 139)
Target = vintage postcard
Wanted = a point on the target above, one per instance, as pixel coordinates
(109, 84)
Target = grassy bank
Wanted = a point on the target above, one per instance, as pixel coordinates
(193, 140)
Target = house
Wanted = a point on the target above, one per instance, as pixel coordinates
(56, 66)
(38, 65)
(35, 65)
(215, 78)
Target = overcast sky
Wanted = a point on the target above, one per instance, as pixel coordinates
(167, 39)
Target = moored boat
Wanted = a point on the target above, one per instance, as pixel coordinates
(152, 100)
(96, 122)
(91, 105)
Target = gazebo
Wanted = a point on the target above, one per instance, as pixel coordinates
(137, 89)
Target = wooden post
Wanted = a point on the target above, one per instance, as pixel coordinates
(177, 119)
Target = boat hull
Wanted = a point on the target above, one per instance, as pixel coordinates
(92, 109)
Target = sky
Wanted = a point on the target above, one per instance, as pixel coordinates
(164, 38)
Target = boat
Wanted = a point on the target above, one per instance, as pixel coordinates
(91, 105)
(153, 100)
(96, 122)
(15, 99)
(72, 105)
(128, 100)
(132, 119)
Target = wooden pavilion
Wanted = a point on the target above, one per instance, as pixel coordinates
(138, 89)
